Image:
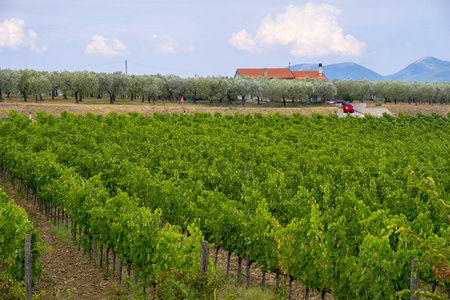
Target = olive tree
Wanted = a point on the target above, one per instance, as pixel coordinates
(240, 88)
(219, 88)
(136, 86)
(359, 89)
(324, 90)
(117, 83)
(38, 85)
(301, 90)
(152, 88)
(54, 79)
(274, 90)
(424, 91)
(102, 79)
(256, 88)
(83, 84)
(24, 82)
(442, 92)
(9, 81)
(175, 86)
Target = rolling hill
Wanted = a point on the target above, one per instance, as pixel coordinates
(426, 69)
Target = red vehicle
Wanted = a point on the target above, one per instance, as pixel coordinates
(348, 108)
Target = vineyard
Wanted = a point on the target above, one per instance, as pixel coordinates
(340, 205)
(14, 225)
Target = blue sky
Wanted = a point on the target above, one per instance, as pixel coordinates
(214, 38)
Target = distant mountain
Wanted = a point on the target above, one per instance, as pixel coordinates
(427, 69)
(340, 71)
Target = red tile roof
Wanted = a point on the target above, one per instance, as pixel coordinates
(271, 73)
(310, 74)
(283, 73)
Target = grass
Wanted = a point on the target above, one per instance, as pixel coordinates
(59, 231)
(102, 107)
(230, 291)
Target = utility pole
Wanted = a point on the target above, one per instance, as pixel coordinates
(126, 68)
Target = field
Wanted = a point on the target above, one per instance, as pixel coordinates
(318, 198)
(102, 107)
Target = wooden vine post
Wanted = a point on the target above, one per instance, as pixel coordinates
(28, 260)
(204, 257)
(414, 281)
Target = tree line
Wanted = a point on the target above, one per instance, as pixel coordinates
(36, 84)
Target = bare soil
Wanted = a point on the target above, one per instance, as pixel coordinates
(412, 109)
(67, 273)
(256, 275)
(102, 107)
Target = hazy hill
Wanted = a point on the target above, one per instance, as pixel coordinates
(427, 69)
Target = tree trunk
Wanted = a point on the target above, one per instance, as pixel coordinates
(217, 252)
(277, 278)
(259, 100)
(24, 97)
(111, 99)
(284, 101)
(132, 97)
(76, 97)
(243, 101)
(293, 101)
(263, 281)
(36, 98)
(238, 277)
(247, 272)
(290, 287)
(1, 99)
(228, 263)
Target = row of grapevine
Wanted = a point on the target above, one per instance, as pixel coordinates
(14, 224)
(139, 236)
(289, 193)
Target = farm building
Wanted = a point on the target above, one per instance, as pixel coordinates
(282, 73)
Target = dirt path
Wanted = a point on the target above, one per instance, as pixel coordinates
(67, 273)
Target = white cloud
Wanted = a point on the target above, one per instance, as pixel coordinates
(101, 46)
(243, 40)
(309, 30)
(13, 36)
(166, 44)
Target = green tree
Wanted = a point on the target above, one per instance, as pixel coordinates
(175, 86)
(117, 83)
(136, 86)
(54, 78)
(84, 84)
(152, 88)
(324, 90)
(38, 85)
(24, 84)
(9, 80)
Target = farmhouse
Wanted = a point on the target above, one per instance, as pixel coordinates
(282, 73)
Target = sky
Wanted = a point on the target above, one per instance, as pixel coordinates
(213, 38)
